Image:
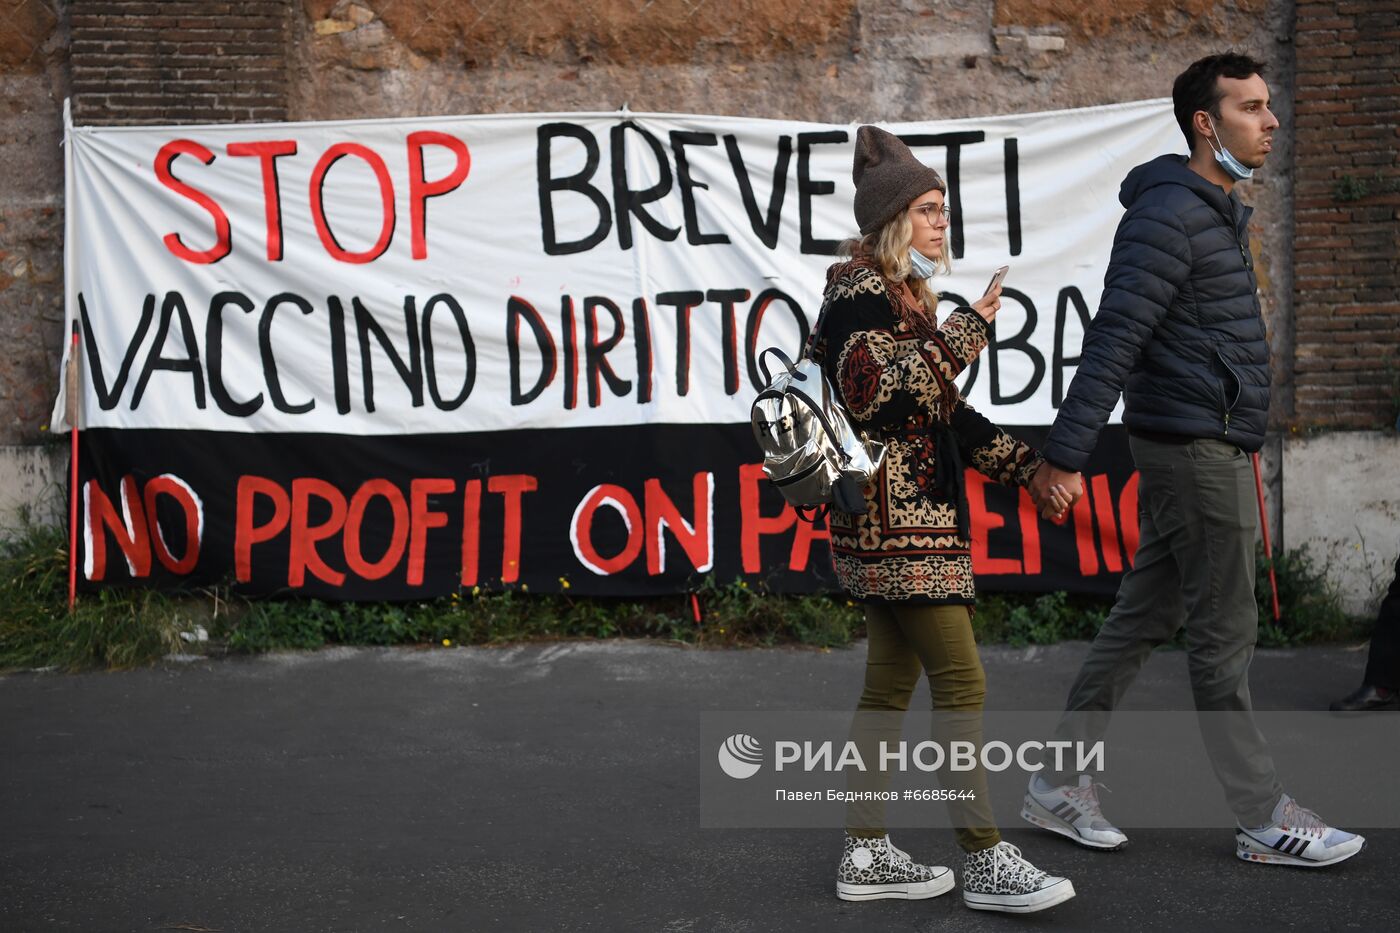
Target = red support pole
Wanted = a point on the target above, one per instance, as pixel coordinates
(1264, 521)
(73, 491)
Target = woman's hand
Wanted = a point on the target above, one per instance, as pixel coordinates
(988, 305)
(1056, 504)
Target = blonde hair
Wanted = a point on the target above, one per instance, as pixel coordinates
(889, 248)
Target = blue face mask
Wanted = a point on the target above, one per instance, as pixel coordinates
(1232, 166)
(923, 267)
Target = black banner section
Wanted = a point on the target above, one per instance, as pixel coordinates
(610, 511)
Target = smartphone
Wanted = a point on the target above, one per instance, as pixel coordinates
(997, 276)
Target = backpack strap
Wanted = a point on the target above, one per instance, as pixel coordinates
(811, 345)
(807, 400)
(788, 364)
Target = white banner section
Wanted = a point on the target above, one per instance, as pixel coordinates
(458, 274)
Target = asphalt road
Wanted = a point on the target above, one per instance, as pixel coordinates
(547, 787)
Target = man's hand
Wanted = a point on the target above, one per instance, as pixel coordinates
(1054, 490)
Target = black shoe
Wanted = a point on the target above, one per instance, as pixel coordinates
(1368, 696)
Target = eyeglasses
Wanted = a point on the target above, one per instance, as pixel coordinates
(932, 215)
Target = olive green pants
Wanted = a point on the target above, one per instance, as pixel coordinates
(905, 641)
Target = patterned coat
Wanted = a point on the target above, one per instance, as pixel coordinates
(894, 370)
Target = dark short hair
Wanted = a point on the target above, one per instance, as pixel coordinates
(1198, 87)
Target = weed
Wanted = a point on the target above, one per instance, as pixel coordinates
(123, 627)
(114, 629)
(1309, 606)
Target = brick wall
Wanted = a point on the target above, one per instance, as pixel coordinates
(179, 61)
(1347, 214)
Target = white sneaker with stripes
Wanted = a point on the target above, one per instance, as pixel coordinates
(1297, 836)
(1072, 811)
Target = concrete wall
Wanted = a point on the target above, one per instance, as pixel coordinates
(1341, 497)
(32, 485)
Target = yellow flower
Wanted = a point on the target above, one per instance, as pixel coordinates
(476, 591)
(564, 582)
(524, 587)
(447, 643)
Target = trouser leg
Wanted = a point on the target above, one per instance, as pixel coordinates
(1383, 660)
(942, 637)
(892, 669)
(1147, 612)
(1215, 528)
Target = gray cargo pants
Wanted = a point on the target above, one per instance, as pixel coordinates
(1198, 518)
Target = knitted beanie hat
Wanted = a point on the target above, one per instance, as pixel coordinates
(888, 178)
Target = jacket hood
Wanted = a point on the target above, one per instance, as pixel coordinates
(1172, 170)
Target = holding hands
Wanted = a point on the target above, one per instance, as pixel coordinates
(1054, 490)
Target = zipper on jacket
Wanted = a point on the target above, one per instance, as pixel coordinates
(1239, 389)
(1235, 229)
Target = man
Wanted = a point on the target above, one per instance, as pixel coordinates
(1380, 685)
(1180, 337)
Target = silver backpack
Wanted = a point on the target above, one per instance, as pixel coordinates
(811, 451)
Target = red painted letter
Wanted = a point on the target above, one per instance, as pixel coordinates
(512, 487)
(982, 522)
(471, 532)
(419, 190)
(129, 528)
(303, 556)
(1128, 517)
(1108, 532)
(247, 534)
(1030, 533)
(222, 239)
(804, 534)
(752, 524)
(386, 198)
(193, 511)
(398, 532)
(423, 519)
(581, 529)
(695, 537)
(267, 153)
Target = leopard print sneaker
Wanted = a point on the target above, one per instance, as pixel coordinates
(871, 869)
(1000, 879)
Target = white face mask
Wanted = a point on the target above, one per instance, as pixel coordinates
(922, 266)
(1232, 166)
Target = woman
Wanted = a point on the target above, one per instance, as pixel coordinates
(908, 556)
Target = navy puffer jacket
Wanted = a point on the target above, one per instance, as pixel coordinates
(1178, 333)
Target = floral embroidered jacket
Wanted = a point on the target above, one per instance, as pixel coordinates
(894, 369)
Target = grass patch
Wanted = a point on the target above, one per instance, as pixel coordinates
(118, 628)
(1309, 605)
(1024, 619)
(112, 629)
